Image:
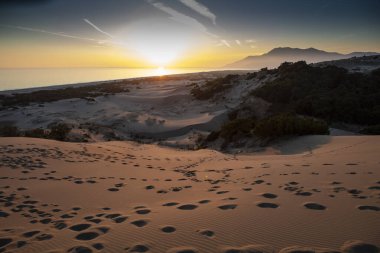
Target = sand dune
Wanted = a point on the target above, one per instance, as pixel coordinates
(311, 194)
(153, 108)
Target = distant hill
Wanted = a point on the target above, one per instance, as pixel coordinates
(354, 64)
(276, 56)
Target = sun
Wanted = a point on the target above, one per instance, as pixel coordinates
(157, 41)
(160, 71)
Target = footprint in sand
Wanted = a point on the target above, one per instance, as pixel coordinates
(20, 244)
(254, 248)
(168, 229)
(94, 220)
(80, 249)
(314, 206)
(30, 233)
(112, 215)
(87, 236)
(183, 250)
(44, 237)
(80, 227)
(139, 248)
(143, 211)
(98, 246)
(170, 204)
(267, 205)
(370, 208)
(187, 207)
(206, 232)
(104, 230)
(120, 219)
(140, 223)
(227, 207)
(5, 241)
(60, 225)
(3, 214)
(304, 193)
(230, 198)
(269, 195)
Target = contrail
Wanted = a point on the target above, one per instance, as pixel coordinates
(57, 34)
(97, 28)
(200, 8)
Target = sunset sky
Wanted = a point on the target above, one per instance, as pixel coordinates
(177, 33)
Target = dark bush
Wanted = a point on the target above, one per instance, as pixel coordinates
(288, 124)
(36, 133)
(330, 93)
(213, 136)
(371, 130)
(59, 131)
(235, 127)
(209, 89)
(9, 131)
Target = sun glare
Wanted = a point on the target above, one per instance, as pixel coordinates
(160, 71)
(157, 41)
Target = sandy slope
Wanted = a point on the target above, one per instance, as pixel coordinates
(153, 108)
(144, 198)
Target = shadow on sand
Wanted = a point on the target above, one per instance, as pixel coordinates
(301, 144)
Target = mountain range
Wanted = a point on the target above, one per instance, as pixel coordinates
(276, 56)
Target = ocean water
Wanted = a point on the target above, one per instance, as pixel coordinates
(12, 79)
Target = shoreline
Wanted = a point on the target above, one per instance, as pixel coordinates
(83, 84)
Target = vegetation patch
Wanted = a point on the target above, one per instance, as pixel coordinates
(270, 128)
(210, 88)
(371, 130)
(289, 124)
(58, 131)
(329, 93)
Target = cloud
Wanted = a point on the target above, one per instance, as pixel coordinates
(97, 28)
(201, 9)
(181, 18)
(225, 42)
(238, 42)
(61, 34)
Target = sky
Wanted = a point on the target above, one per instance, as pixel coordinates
(177, 33)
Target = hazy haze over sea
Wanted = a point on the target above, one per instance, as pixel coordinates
(12, 79)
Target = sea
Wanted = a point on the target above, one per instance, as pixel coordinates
(14, 79)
